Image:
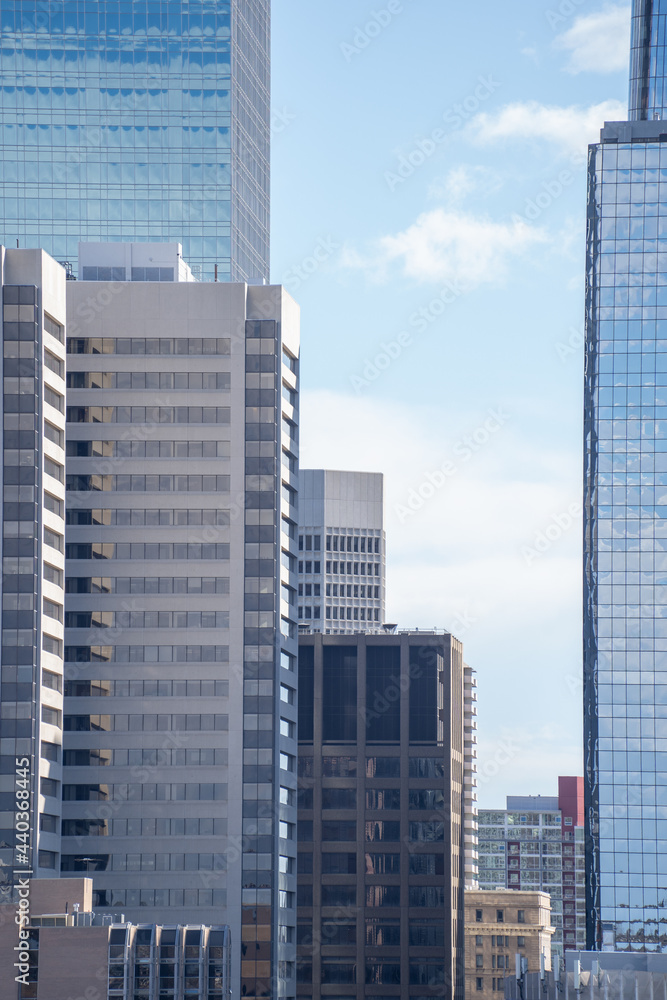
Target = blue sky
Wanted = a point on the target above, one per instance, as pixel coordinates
(429, 195)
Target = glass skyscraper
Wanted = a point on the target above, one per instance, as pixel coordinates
(137, 121)
(625, 578)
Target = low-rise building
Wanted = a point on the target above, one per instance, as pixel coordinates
(62, 949)
(499, 925)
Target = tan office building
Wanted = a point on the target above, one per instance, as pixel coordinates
(499, 924)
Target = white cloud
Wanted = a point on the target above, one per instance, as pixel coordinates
(570, 128)
(450, 245)
(459, 562)
(599, 42)
(462, 181)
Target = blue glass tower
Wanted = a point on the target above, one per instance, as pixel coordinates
(625, 577)
(137, 120)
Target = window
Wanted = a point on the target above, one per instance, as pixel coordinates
(51, 716)
(55, 329)
(51, 645)
(287, 728)
(53, 504)
(54, 399)
(339, 798)
(53, 610)
(339, 895)
(341, 830)
(338, 863)
(521, 941)
(383, 798)
(53, 575)
(479, 984)
(479, 916)
(383, 895)
(50, 751)
(339, 932)
(53, 539)
(47, 859)
(52, 433)
(52, 681)
(500, 916)
(49, 787)
(479, 940)
(48, 823)
(479, 961)
(520, 916)
(54, 364)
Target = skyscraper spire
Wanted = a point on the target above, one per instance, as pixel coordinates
(648, 60)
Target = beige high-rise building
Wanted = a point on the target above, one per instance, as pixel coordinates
(499, 925)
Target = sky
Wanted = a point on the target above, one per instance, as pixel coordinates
(428, 215)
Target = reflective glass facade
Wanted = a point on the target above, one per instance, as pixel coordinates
(625, 665)
(648, 86)
(137, 121)
(625, 512)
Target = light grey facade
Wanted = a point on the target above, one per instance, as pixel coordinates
(625, 513)
(181, 633)
(33, 559)
(342, 562)
(470, 835)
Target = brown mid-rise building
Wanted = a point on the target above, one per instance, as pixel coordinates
(499, 925)
(380, 835)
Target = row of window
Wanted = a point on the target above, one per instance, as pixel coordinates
(382, 932)
(342, 971)
(144, 619)
(142, 791)
(351, 568)
(376, 767)
(145, 584)
(160, 897)
(147, 654)
(147, 689)
(148, 449)
(146, 414)
(145, 723)
(374, 895)
(498, 985)
(143, 862)
(376, 798)
(376, 863)
(352, 614)
(141, 345)
(147, 757)
(148, 517)
(374, 830)
(501, 916)
(142, 550)
(352, 590)
(349, 543)
(143, 484)
(497, 961)
(192, 826)
(149, 380)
